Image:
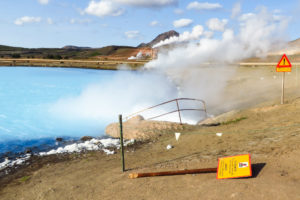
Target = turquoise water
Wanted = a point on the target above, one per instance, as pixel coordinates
(39, 104)
(26, 97)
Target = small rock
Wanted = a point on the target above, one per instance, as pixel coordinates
(59, 139)
(28, 151)
(136, 119)
(86, 138)
(169, 147)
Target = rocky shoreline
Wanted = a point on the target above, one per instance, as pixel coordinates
(25, 164)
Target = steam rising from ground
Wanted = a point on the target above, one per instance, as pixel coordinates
(198, 70)
(203, 69)
(125, 93)
(184, 37)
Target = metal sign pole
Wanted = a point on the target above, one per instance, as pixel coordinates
(282, 94)
(121, 142)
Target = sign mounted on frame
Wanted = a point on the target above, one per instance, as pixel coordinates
(284, 65)
(234, 167)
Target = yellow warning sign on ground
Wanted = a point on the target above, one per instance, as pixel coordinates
(234, 167)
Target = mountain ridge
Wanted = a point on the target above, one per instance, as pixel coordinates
(160, 37)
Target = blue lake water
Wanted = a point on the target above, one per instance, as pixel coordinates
(27, 96)
(39, 104)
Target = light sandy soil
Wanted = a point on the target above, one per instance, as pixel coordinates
(269, 132)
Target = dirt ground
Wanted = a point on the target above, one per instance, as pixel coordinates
(270, 132)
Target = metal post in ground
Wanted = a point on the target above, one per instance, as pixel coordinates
(121, 142)
(178, 111)
(282, 89)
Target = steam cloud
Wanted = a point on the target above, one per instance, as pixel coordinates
(181, 72)
(184, 37)
(258, 33)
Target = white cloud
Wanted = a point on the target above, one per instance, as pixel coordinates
(186, 36)
(49, 21)
(43, 2)
(215, 24)
(208, 34)
(103, 8)
(182, 23)
(277, 11)
(203, 6)
(147, 3)
(178, 11)
(246, 16)
(236, 10)
(132, 34)
(154, 23)
(27, 19)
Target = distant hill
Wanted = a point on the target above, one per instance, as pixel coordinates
(295, 42)
(67, 52)
(75, 52)
(290, 48)
(75, 47)
(159, 38)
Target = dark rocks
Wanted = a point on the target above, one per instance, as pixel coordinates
(59, 139)
(28, 150)
(86, 138)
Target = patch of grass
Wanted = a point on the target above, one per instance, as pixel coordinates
(24, 179)
(234, 121)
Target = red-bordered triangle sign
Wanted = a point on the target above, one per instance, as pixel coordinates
(284, 62)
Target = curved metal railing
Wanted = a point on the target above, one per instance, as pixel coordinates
(177, 110)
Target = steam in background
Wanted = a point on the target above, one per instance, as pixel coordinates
(201, 68)
(184, 37)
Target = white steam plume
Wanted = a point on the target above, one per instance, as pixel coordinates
(182, 72)
(184, 37)
(258, 33)
(125, 93)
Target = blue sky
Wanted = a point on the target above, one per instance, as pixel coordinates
(97, 23)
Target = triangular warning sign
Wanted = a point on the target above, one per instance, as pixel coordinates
(284, 62)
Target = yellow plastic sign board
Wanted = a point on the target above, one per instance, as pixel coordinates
(234, 167)
(283, 69)
(284, 65)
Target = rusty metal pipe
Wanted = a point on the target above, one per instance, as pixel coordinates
(169, 173)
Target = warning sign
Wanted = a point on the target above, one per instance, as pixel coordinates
(284, 65)
(234, 167)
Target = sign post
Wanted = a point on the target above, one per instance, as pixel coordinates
(284, 65)
(282, 90)
(121, 142)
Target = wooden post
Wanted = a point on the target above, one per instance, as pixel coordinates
(282, 92)
(121, 142)
(178, 111)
